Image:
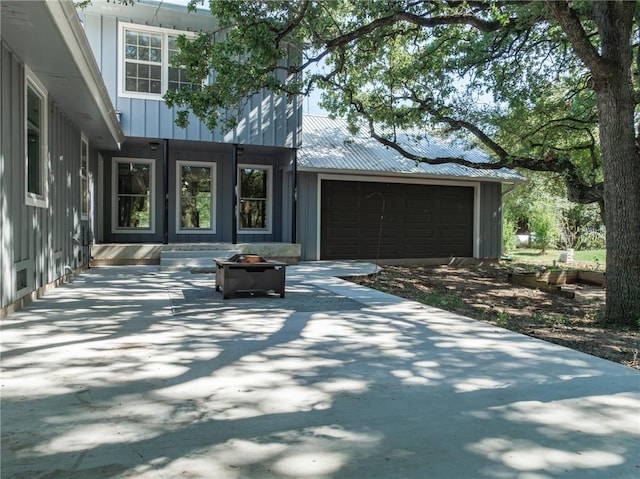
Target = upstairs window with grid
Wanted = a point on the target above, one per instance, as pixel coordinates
(143, 62)
(177, 74)
(147, 55)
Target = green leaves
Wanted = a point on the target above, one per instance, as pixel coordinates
(502, 74)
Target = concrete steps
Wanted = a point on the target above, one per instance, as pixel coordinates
(185, 256)
(192, 259)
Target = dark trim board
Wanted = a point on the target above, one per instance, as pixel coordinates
(367, 220)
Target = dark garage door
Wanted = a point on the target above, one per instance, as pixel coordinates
(367, 220)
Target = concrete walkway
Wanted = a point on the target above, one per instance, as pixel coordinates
(129, 372)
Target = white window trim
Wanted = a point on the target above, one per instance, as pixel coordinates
(165, 32)
(32, 199)
(179, 228)
(85, 214)
(114, 196)
(268, 229)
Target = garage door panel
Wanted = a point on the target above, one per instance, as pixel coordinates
(343, 234)
(420, 241)
(413, 221)
(343, 219)
(420, 231)
(449, 237)
(451, 248)
(418, 221)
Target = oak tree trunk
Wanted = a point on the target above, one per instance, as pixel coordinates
(621, 163)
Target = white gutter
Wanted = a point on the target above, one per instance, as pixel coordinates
(65, 18)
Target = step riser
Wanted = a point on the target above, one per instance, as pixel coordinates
(197, 254)
(188, 255)
(182, 260)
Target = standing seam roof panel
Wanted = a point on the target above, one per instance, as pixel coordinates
(328, 145)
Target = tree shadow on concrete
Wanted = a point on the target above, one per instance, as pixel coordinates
(103, 380)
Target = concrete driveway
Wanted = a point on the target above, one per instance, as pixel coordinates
(129, 372)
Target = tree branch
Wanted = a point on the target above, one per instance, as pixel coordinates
(463, 125)
(398, 17)
(573, 29)
(578, 190)
(293, 24)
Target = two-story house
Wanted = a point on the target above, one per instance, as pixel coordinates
(93, 165)
(172, 185)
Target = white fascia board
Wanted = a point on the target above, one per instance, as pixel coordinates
(65, 18)
(408, 176)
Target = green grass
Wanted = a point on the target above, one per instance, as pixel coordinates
(448, 301)
(551, 319)
(596, 257)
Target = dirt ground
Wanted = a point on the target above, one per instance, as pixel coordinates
(484, 293)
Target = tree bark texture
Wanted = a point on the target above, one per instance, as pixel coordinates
(621, 162)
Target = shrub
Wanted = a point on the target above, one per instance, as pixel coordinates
(509, 228)
(595, 239)
(543, 223)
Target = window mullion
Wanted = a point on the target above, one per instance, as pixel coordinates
(165, 62)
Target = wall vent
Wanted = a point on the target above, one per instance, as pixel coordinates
(21, 279)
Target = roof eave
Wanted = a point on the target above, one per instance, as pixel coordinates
(65, 18)
(335, 171)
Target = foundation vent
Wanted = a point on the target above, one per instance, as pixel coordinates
(21, 279)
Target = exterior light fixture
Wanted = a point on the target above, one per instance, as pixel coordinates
(153, 145)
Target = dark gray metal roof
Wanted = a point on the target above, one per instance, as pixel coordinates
(327, 146)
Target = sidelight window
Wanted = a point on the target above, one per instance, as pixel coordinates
(254, 209)
(196, 197)
(133, 181)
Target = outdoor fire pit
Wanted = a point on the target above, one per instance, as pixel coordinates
(249, 273)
